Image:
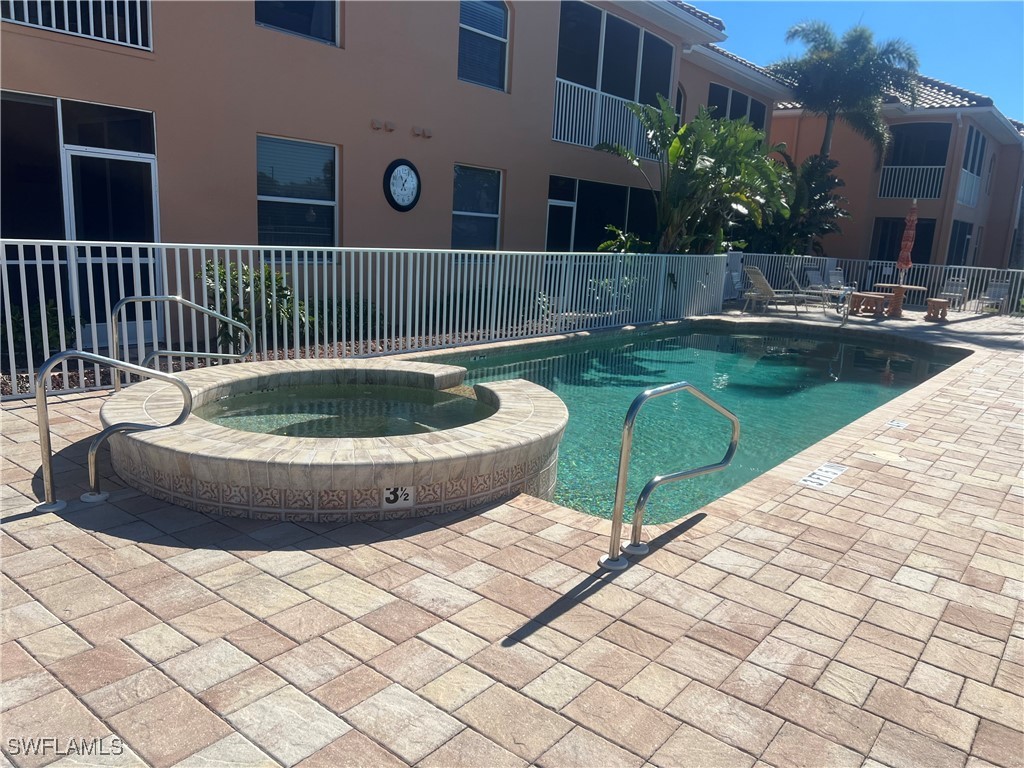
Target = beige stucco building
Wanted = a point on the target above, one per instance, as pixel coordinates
(953, 151)
(282, 123)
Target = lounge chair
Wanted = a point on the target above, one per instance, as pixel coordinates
(761, 293)
(996, 295)
(828, 293)
(955, 290)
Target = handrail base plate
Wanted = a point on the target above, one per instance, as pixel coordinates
(94, 498)
(613, 563)
(53, 506)
(640, 548)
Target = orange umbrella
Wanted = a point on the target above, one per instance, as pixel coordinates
(903, 263)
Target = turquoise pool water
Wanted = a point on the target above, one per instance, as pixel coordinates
(788, 394)
(319, 410)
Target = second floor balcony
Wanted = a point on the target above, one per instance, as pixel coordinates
(923, 182)
(587, 117)
(122, 22)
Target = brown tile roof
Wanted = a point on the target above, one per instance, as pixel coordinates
(931, 94)
(745, 63)
(707, 18)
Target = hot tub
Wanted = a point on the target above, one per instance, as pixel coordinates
(506, 444)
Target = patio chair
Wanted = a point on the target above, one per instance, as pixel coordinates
(996, 295)
(761, 293)
(955, 290)
(831, 293)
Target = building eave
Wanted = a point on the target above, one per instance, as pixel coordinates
(766, 85)
(988, 117)
(672, 18)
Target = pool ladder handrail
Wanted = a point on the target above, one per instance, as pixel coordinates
(51, 503)
(114, 344)
(616, 559)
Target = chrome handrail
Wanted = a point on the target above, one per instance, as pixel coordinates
(170, 352)
(51, 503)
(614, 560)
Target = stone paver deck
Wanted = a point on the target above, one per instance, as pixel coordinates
(875, 622)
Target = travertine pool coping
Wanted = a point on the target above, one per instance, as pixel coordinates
(217, 469)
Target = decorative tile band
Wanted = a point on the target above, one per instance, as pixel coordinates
(214, 469)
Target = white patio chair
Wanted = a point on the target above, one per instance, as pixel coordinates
(955, 289)
(996, 295)
(761, 293)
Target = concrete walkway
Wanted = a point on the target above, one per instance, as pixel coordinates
(876, 621)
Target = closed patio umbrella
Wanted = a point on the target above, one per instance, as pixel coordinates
(903, 263)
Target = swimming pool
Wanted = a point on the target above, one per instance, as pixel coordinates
(787, 392)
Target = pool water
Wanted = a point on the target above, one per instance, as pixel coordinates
(788, 394)
(320, 410)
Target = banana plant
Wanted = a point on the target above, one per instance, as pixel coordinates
(712, 174)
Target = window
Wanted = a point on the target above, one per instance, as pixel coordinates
(295, 192)
(959, 242)
(887, 238)
(483, 42)
(601, 51)
(974, 152)
(919, 144)
(726, 102)
(579, 211)
(476, 208)
(317, 19)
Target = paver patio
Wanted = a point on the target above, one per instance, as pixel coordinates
(876, 621)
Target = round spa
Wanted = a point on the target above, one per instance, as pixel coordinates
(338, 440)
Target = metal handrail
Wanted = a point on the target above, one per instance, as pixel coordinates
(170, 352)
(614, 560)
(51, 503)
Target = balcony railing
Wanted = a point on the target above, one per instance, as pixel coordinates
(122, 22)
(967, 189)
(587, 117)
(909, 181)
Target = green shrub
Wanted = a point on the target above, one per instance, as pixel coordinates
(234, 290)
(17, 330)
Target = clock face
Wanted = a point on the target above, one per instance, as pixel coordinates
(402, 185)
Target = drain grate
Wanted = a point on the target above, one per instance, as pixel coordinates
(823, 475)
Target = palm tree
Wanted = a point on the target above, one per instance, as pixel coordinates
(848, 78)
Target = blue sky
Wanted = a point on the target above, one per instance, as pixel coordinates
(977, 44)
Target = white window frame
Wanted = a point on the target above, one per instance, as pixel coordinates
(501, 194)
(299, 200)
(505, 40)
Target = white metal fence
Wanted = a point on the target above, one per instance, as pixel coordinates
(974, 282)
(320, 303)
(909, 181)
(123, 22)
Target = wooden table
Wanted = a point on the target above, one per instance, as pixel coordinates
(898, 292)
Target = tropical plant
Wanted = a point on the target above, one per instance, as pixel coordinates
(236, 290)
(848, 78)
(623, 242)
(712, 174)
(35, 333)
(814, 210)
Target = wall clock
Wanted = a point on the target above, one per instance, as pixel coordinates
(402, 185)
